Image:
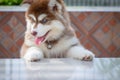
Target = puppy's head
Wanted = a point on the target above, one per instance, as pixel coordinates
(46, 19)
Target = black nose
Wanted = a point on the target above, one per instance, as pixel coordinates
(34, 33)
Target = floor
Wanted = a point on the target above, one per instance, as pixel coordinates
(60, 69)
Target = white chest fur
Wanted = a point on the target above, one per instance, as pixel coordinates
(58, 48)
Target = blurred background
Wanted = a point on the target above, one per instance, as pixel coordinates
(97, 31)
(10, 2)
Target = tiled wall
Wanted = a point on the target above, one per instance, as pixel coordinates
(99, 32)
(12, 27)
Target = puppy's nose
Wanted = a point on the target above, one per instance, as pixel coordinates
(34, 33)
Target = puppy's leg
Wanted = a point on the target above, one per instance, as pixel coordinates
(78, 52)
(33, 54)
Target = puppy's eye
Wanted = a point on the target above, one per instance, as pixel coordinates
(43, 21)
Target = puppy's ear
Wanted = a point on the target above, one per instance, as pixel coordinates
(55, 5)
(26, 3)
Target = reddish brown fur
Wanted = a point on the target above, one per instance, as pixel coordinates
(37, 8)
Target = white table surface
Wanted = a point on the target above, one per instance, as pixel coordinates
(60, 69)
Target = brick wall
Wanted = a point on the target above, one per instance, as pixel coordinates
(97, 31)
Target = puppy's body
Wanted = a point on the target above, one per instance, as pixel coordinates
(49, 33)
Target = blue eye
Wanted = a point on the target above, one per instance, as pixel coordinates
(43, 21)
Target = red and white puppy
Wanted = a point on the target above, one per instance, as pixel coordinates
(49, 33)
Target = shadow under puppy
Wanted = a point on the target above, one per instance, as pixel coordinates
(49, 33)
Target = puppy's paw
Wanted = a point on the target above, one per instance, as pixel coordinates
(33, 54)
(87, 55)
(80, 53)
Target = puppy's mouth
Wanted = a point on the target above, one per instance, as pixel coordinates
(39, 40)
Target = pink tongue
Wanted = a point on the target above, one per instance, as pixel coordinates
(39, 40)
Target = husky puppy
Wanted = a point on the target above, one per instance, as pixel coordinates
(49, 33)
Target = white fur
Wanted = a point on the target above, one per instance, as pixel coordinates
(42, 16)
(29, 42)
(33, 53)
(32, 16)
(28, 25)
(60, 47)
(56, 28)
(78, 52)
(42, 29)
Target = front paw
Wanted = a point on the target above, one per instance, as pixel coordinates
(87, 56)
(33, 54)
(80, 53)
